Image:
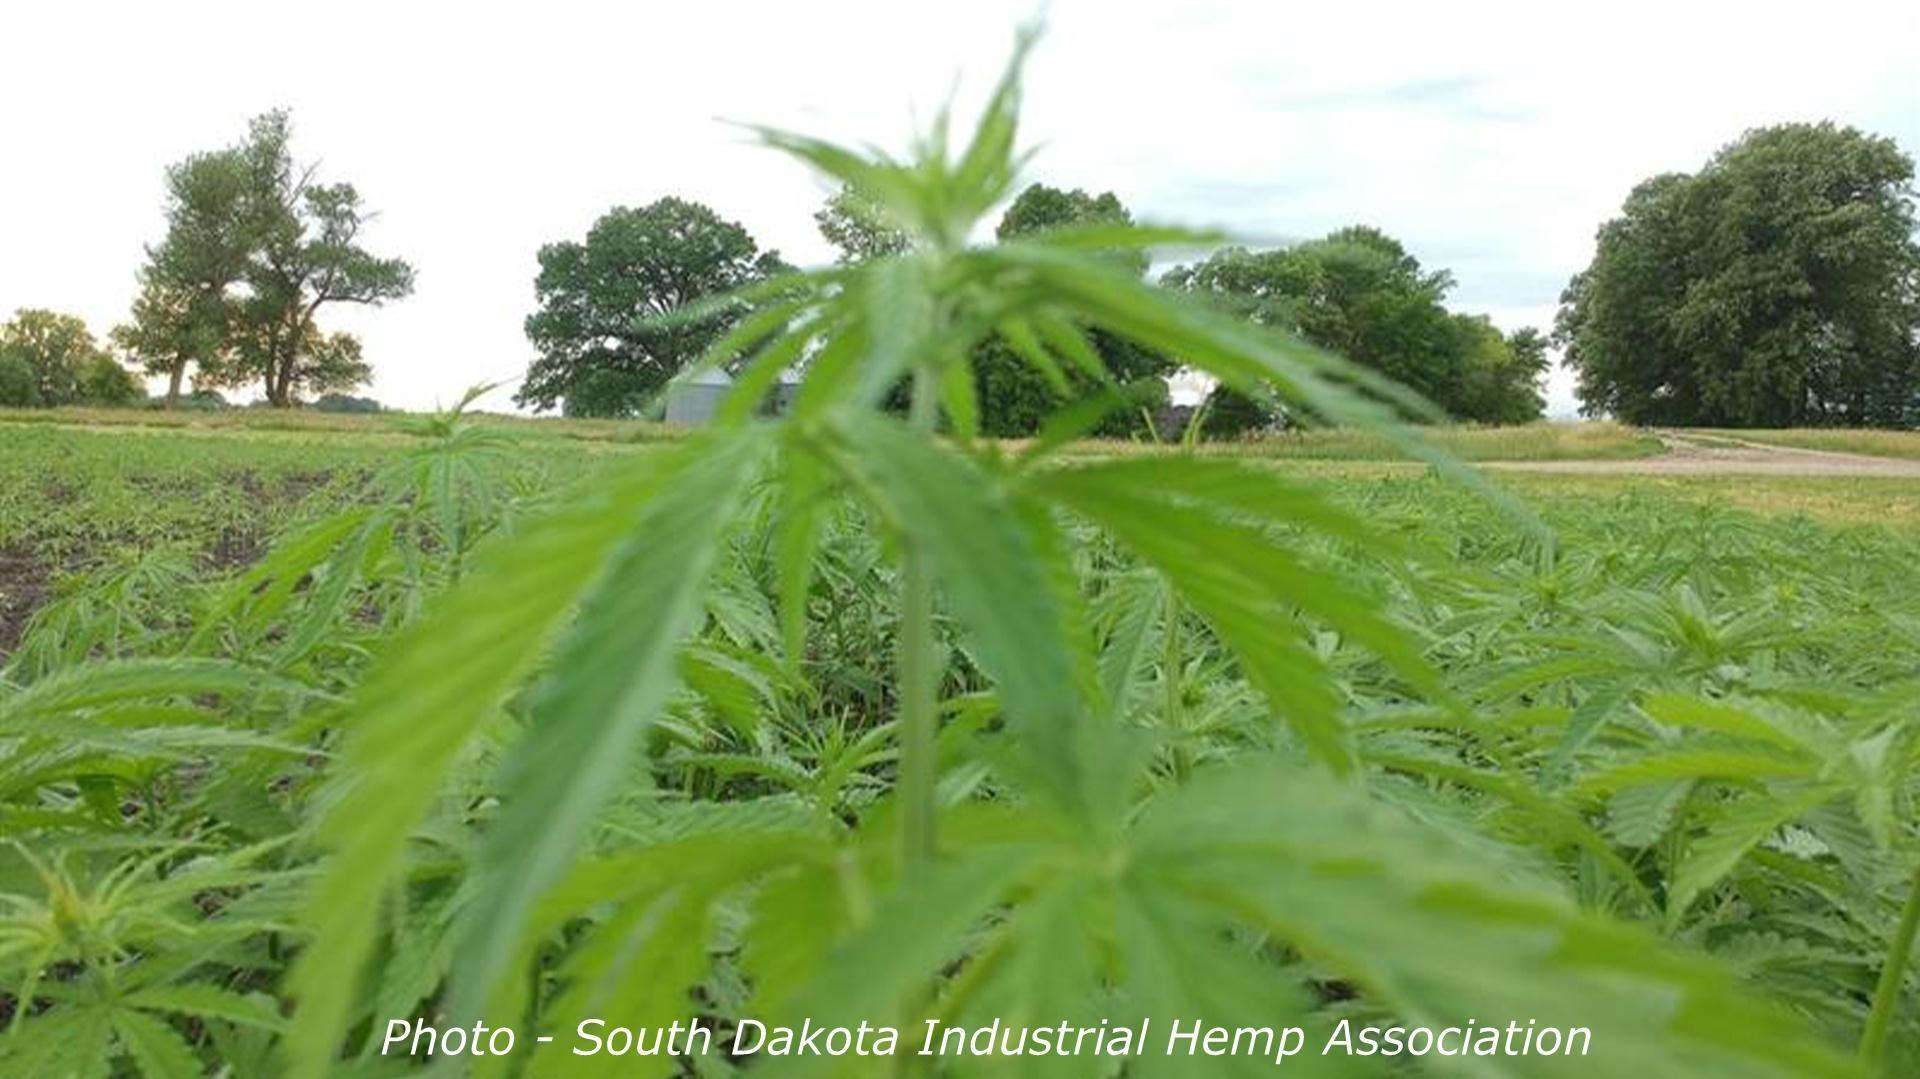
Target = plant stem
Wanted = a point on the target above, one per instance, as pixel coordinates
(1176, 719)
(919, 687)
(1873, 1042)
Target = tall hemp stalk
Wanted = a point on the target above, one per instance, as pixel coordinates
(919, 675)
(1893, 974)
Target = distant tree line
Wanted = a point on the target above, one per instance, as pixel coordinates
(1779, 285)
(604, 349)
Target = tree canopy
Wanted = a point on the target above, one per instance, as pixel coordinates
(185, 314)
(49, 359)
(174, 327)
(1358, 292)
(307, 255)
(1014, 395)
(852, 223)
(1778, 286)
(604, 349)
(255, 248)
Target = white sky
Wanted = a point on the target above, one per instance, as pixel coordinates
(1490, 138)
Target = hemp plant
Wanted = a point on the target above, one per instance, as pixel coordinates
(1029, 859)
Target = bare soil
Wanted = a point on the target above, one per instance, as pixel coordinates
(1690, 456)
(23, 587)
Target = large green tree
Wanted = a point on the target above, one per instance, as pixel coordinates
(306, 253)
(1778, 286)
(49, 359)
(255, 248)
(604, 348)
(1359, 293)
(1014, 395)
(186, 314)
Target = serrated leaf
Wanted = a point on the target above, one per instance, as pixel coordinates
(1736, 829)
(210, 1002)
(157, 1048)
(437, 682)
(611, 676)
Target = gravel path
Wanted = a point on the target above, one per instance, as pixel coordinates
(1688, 456)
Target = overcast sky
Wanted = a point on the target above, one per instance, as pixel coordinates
(1490, 138)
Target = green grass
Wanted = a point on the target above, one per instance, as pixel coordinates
(1901, 444)
(1889, 502)
(308, 421)
(1546, 441)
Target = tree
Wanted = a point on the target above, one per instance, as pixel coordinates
(340, 402)
(1777, 286)
(18, 386)
(1229, 414)
(1501, 372)
(185, 314)
(255, 248)
(173, 328)
(53, 350)
(1040, 208)
(1359, 293)
(604, 348)
(305, 254)
(1517, 396)
(103, 381)
(1014, 396)
(313, 362)
(851, 222)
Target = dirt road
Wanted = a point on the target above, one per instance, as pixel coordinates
(1695, 456)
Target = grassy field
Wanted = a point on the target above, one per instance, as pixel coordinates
(310, 422)
(91, 489)
(1902, 444)
(1544, 441)
(1673, 703)
(1547, 441)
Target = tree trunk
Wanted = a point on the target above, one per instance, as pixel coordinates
(280, 370)
(173, 384)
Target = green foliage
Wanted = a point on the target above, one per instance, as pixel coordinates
(19, 385)
(858, 227)
(171, 329)
(606, 347)
(185, 314)
(1773, 288)
(49, 359)
(340, 402)
(251, 216)
(830, 715)
(45, 355)
(1360, 294)
(1016, 392)
(1227, 414)
(102, 381)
